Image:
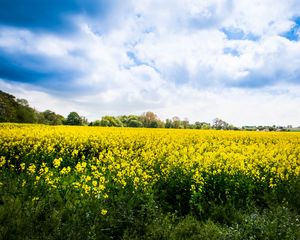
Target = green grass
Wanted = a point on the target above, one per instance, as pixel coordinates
(57, 215)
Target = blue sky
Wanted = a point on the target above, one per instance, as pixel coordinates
(233, 59)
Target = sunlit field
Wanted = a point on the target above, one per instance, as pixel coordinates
(122, 183)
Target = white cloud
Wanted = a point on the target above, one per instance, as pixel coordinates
(262, 17)
(275, 105)
(236, 106)
(172, 57)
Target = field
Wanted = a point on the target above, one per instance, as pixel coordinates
(118, 183)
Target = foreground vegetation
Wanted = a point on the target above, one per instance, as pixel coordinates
(117, 183)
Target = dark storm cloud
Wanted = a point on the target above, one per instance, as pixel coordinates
(36, 70)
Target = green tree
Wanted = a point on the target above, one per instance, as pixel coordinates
(96, 123)
(202, 125)
(16, 110)
(51, 118)
(176, 123)
(130, 121)
(134, 123)
(111, 121)
(169, 123)
(185, 123)
(150, 120)
(84, 121)
(220, 124)
(26, 114)
(73, 119)
(8, 107)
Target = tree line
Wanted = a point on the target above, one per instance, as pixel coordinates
(151, 120)
(19, 111)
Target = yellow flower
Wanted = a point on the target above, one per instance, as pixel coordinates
(65, 170)
(80, 167)
(94, 183)
(105, 196)
(22, 165)
(103, 212)
(23, 183)
(57, 162)
(88, 178)
(31, 169)
(2, 161)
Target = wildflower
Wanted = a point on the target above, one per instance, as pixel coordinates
(80, 167)
(23, 183)
(31, 169)
(2, 161)
(65, 170)
(103, 212)
(57, 162)
(105, 196)
(95, 183)
(22, 165)
(88, 178)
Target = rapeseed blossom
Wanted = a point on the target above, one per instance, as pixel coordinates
(103, 212)
(95, 160)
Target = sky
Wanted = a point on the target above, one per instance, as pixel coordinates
(237, 60)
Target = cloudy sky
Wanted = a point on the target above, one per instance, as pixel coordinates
(238, 60)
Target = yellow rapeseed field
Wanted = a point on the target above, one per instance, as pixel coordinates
(92, 159)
